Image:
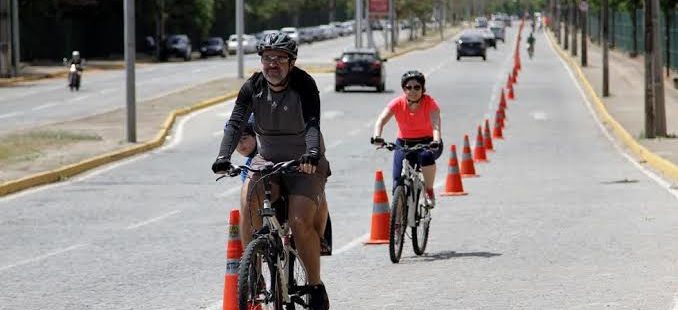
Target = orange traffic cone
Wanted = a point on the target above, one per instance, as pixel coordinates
(515, 74)
(380, 212)
(497, 132)
(233, 254)
(509, 81)
(502, 100)
(453, 185)
(487, 137)
(518, 64)
(468, 170)
(511, 94)
(499, 118)
(479, 155)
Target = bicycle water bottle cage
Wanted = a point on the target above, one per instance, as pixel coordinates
(267, 212)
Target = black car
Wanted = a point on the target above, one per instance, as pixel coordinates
(177, 45)
(471, 45)
(362, 66)
(212, 47)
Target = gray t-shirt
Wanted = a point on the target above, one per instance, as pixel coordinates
(279, 125)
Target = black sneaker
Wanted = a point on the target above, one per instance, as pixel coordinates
(318, 298)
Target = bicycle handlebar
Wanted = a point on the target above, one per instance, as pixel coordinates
(392, 146)
(281, 167)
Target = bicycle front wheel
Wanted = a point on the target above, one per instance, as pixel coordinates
(422, 218)
(298, 282)
(258, 278)
(398, 224)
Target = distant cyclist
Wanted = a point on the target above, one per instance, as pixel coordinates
(530, 44)
(418, 117)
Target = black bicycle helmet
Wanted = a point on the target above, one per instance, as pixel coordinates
(413, 74)
(277, 41)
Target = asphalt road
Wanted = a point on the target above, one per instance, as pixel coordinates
(549, 224)
(38, 103)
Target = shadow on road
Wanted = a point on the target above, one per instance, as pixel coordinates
(429, 257)
(360, 90)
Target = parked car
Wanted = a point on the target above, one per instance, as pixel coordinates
(212, 47)
(306, 35)
(292, 32)
(480, 22)
(471, 44)
(177, 45)
(261, 35)
(249, 44)
(360, 66)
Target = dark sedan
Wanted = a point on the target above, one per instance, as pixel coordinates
(471, 45)
(361, 67)
(213, 47)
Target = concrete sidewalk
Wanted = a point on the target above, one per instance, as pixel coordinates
(626, 103)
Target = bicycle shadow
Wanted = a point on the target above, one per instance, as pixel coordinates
(430, 257)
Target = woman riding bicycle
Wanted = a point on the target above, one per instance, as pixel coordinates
(418, 117)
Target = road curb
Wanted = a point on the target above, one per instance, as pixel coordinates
(68, 171)
(657, 162)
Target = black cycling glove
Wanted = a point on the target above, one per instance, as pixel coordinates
(311, 157)
(221, 165)
(434, 145)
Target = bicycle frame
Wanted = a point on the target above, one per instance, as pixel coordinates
(278, 234)
(413, 180)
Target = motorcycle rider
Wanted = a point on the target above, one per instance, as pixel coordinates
(79, 67)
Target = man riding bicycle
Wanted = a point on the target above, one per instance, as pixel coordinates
(285, 102)
(418, 118)
(530, 44)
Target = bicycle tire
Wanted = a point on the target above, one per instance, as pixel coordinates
(257, 267)
(398, 225)
(298, 279)
(420, 230)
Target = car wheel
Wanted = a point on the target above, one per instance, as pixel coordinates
(223, 55)
(458, 57)
(381, 87)
(484, 58)
(338, 88)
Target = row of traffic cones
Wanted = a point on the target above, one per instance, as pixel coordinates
(455, 170)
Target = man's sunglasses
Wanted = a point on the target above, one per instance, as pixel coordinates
(267, 59)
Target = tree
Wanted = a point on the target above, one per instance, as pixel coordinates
(668, 6)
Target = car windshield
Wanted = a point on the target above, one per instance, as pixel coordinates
(351, 57)
(175, 40)
(469, 38)
(213, 41)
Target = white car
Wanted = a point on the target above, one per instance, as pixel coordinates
(249, 44)
(292, 32)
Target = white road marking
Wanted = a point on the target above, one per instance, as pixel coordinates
(539, 115)
(231, 191)
(106, 91)
(45, 106)
(335, 144)
(332, 114)
(354, 132)
(41, 257)
(355, 242)
(666, 185)
(153, 220)
(10, 114)
(179, 131)
(80, 98)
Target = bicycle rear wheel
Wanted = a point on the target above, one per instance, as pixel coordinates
(398, 224)
(422, 217)
(258, 278)
(297, 283)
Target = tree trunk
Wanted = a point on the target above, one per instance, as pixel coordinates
(667, 36)
(332, 8)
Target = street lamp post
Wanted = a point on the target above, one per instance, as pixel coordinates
(130, 56)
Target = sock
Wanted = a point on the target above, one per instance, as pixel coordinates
(429, 191)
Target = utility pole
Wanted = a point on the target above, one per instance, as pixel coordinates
(660, 112)
(239, 28)
(370, 33)
(575, 14)
(358, 23)
(391, 20)
(130, 57)
(584, 30)
(606, 47)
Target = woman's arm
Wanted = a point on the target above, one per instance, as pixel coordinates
(435, 122)
(383, 118)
